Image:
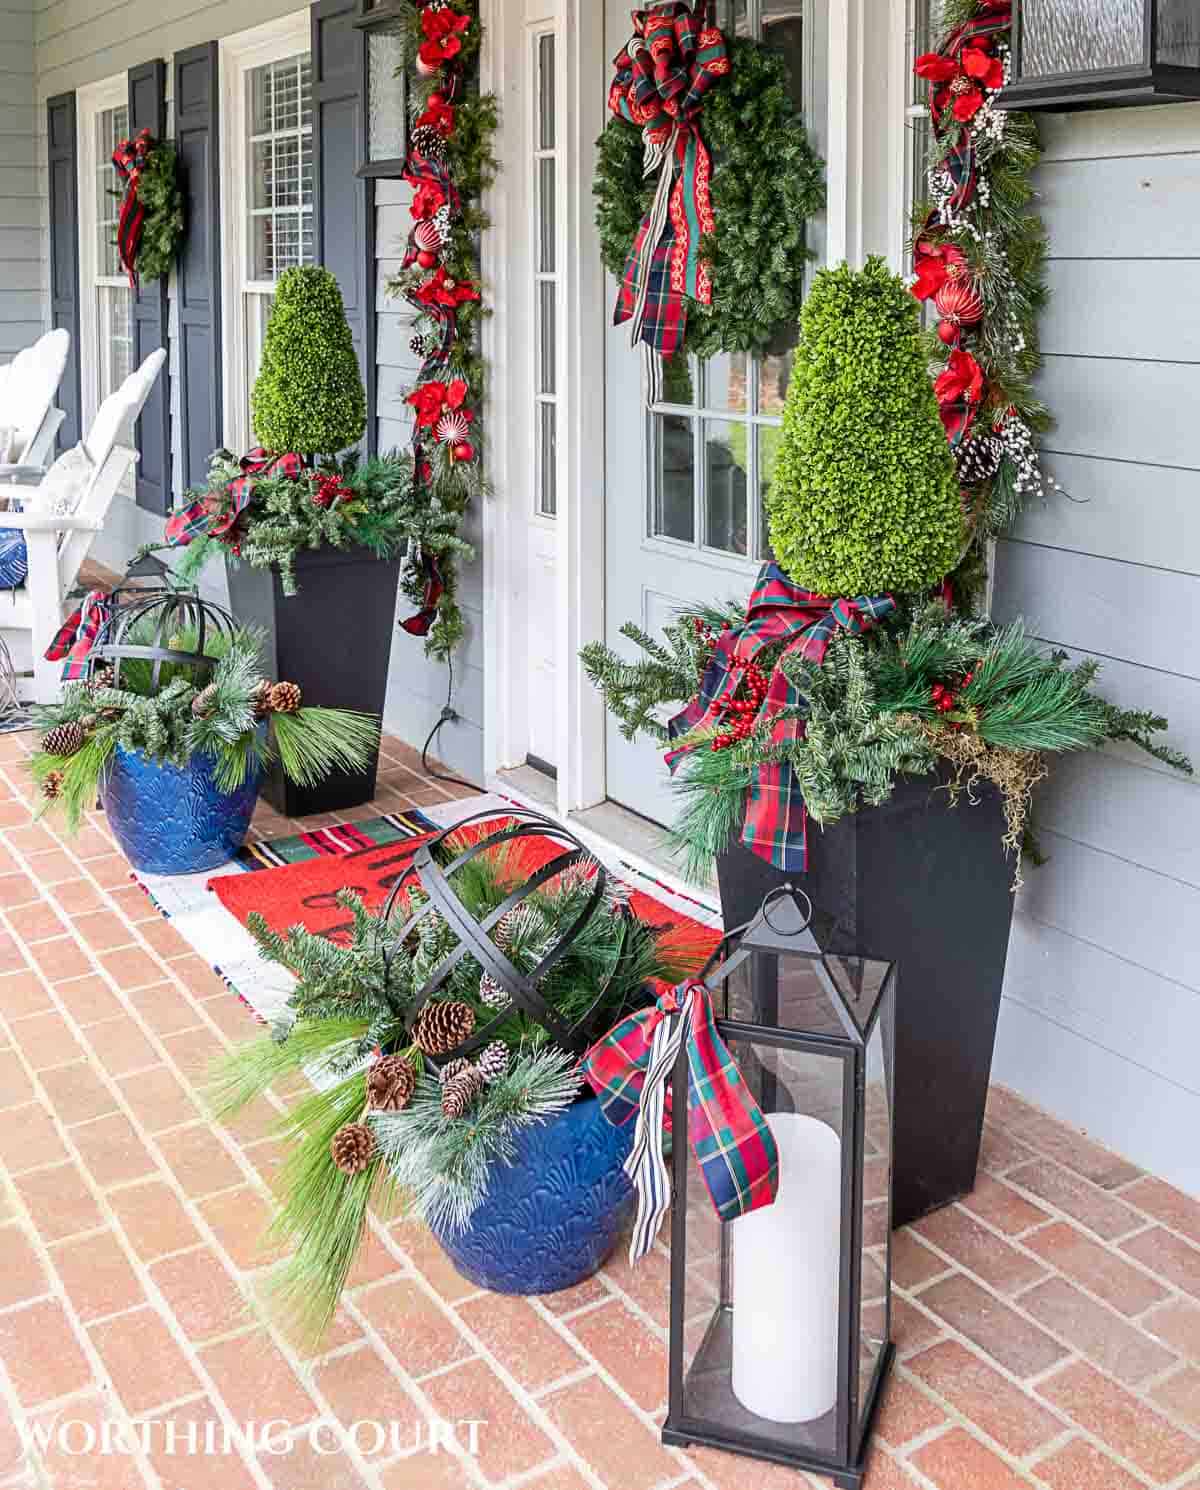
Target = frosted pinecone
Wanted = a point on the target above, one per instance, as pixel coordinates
(452, 1069)
(493, 1061)
(493, 993)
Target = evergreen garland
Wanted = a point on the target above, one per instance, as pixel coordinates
(767, 182)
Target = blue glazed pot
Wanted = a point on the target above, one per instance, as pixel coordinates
(169, 820)
(552, 1218)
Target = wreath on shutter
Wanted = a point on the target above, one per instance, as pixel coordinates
(150, 225)
(767, 181)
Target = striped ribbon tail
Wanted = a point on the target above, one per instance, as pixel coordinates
(646, 1166)
(76, 637)
(128, 159)
(435, 588)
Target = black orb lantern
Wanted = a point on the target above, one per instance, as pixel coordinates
(152, 631)
(1087, 54)
(434, 871)
(780, 1320)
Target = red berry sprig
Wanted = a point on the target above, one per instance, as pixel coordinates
(742, 712)
(945, 699)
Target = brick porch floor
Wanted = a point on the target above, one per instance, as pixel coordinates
(1048, 1330)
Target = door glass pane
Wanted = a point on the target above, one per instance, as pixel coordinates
(727, 382)
(546, 92)
(547, 460)
(673, 508)
(546, 207)
(725, 458)
(546, 328)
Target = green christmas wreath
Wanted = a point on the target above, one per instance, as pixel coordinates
(767, 182)
(162, 199)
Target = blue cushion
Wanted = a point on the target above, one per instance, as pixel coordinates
(14, 561)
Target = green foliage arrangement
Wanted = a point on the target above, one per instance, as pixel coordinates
(346, 1025)
(875, 711)
(162, 227)
(218, 713)
(767, 182)
(353, 503)
(309, 393)
(864, 499)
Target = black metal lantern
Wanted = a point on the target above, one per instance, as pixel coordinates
(167, 629)
(780, 1320)
(385, 101)
(1086, 54)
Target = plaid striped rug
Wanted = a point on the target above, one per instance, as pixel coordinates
(330, 843)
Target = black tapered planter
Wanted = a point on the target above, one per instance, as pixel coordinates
(334, 639)
(930, 887)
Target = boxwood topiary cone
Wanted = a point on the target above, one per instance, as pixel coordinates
(864, 499)
(309, 394)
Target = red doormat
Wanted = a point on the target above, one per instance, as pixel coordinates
(306, 893)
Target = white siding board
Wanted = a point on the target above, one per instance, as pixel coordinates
(1132, 687)
(22, 270)
(1151, 309)
(1128, 208)
(1101, 134)
(1123, 410)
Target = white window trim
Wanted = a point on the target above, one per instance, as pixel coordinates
(239, 55)
(92, 100)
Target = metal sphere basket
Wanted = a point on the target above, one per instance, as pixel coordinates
(474, 938)
(143, 631)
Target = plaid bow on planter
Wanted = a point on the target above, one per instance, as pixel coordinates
(629, 1069)
(776, 825)
(673, 58)
(199, 520)
(77, 635)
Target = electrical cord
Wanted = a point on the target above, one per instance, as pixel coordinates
(449, 715)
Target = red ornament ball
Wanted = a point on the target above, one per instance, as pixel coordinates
(959, 302)
(949, 332)
(426, 259)
(464, 450)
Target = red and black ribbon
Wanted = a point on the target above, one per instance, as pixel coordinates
(201, 521)
(435, 588)
(130, 159)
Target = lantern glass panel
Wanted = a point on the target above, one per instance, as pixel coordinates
(1081, 36)
(1179, 33)
(875, 1232)
(761, 1296)
(385, 92)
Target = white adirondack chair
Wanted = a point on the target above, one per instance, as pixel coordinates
(28, 387)
(58, 544)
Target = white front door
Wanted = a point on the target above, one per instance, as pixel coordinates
(686, 479)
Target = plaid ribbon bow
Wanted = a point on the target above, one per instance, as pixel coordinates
(77, 635)
(199, 520)
(776, 824)
(129, 158)
(662, 75)
(629, 1069)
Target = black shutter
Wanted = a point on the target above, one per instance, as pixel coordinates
(148, 110)
(64, 253)
(344, 201)
(198, 285)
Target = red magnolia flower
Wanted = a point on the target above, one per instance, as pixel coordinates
(456, 393)
(443, 35)
(962, 381)
(428, 400)
(438, 113)
(935, 68)
(960, 82)
(978, 63)
(427, 198)
(934, 264)
(440, 289)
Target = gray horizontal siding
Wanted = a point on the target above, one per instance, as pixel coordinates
(417, 687)
(22, 266)
(1102, 997)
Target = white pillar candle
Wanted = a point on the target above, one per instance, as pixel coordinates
(786, 1280)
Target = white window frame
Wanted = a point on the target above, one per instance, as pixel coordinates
(91, 102)
(238, 56)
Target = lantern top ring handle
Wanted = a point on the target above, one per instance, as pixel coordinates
(796, 896)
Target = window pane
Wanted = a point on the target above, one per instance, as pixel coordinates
(774, 375)
(673, 509)
(112, 126)
(115, 336)
(727, 382)
(546, 93)
(783, 30)
(280, 166)
(769, 438)
(725, 461)
(546, 210)
(547, 460)
(547, 329)
(733, 16)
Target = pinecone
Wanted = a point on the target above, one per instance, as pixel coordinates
(205, 702)
(390, 1084)
(420, 347)
(52, 786)
(64, 739)
(429, 141)
(979, 459)
(285, 698)
(493, 993)
(102, 677)
(89, 721)
(502, 932)
(260, 698)
(460, 1092)
(442, 1027)
(353, 1148)
(452, 1069)
(493, 1061)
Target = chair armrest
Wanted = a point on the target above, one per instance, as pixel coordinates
(23, 475)
(49, 522)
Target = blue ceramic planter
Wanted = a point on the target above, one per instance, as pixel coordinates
(173, 821)
(549, 1220)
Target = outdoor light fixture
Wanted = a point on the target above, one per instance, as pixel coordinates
(1083, 54)
(385, 104)
(780, 1320)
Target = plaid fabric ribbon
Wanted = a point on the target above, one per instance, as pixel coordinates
(662, 76)
(629, 1070)
(776, 821)
(435, 588)
(960, 162)
(420, 172)
(77, 635)
(199, 521)
(129, 158)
